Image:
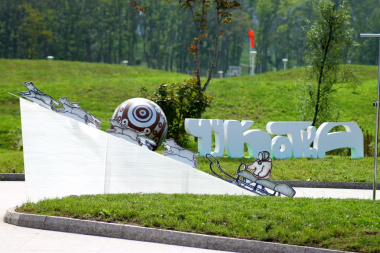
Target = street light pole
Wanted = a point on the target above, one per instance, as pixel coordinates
(284, 61)
(252, 62)
(377, 113)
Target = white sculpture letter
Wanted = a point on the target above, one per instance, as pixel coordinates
(281, 147)
(200, 128)
(308, 137)
(257, 141)
(326, 141)
(293, 130)
(218, 128)
(234, 137)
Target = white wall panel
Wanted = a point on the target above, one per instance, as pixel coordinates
(61, 156)
(65, 157)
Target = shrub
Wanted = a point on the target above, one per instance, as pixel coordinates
(15, 136)
(179, 100)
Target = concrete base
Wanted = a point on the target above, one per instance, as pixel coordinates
(12, 177)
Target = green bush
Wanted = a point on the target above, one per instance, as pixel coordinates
(179, 100)
(16, 138)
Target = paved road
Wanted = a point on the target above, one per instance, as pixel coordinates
(335, 193)
(20, 239)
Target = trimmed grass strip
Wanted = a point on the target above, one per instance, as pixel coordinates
(350, 224)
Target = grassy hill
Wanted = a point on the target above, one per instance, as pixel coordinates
(272, 97)
(100, 88)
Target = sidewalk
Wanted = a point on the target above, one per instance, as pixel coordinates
(335, 193)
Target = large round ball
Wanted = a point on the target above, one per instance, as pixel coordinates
(145, 116)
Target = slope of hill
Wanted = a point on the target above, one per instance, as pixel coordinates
(273, 97)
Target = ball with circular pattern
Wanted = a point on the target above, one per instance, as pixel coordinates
(144, 116)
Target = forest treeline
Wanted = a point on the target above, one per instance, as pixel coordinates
(110, 31)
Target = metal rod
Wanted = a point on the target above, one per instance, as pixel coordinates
(253, 65)
(377, 128)
(370, 35)
(377, 104)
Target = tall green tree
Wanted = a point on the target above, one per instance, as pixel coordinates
(267, 14)
(109, 31)
(327, 41)
(33, 27)
(365, 19)
(199, 10)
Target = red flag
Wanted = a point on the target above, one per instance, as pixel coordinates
(250, 34)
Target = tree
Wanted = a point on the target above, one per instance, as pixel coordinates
(179, 100)
(365, 19)
(233, 41)
(223, 16)
(266, 13)
(199, 10)
(327, 41)
(289, 37)
(32, 29)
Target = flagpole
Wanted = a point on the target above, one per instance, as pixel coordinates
(377, 114)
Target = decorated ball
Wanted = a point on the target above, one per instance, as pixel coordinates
(144, 116)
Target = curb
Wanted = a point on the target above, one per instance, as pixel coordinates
(137, 233)
(302, 184)
(322, 184)
(12, 177)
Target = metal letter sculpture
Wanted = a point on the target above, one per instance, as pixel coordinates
(253, 177)
(178, 153)
(72, 110)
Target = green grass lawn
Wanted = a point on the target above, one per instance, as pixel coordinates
(352, 225)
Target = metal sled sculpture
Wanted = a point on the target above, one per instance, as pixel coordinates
(247, 180)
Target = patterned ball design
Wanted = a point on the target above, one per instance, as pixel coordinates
(145, 116)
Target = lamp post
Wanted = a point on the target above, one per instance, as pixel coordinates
(252, 62)
(284, 61)
(377, 114)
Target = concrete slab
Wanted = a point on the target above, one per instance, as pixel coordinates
(335, 193)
